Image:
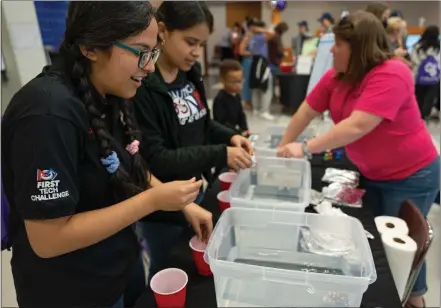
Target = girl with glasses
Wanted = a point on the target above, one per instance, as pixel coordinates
(72, 170)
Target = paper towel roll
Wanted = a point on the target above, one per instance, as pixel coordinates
(400, 252)
(391, 224)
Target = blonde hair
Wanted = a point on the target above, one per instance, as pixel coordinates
(394, 24)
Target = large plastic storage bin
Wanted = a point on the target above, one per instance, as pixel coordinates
(267, 142)
(258, 260)
(273, 183)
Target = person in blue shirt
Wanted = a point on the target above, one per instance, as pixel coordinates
(255, 44)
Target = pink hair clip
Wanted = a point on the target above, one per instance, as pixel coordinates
(133, 147)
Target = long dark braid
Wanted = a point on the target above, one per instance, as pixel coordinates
(133, 133)
(125, 185)
(97, 25)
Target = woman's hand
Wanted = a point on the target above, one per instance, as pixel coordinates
(242, 142)
(200, 219)
(294, 149)
(174, 196)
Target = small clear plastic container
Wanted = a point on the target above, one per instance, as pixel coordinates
(267, 142)
(261, 258)
(273, 183)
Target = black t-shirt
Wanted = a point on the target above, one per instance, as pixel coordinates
(52, 169)
(228, 110)
(190, 110)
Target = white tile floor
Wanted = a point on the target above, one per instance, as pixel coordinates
(257, 125)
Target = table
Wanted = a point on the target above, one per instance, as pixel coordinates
(293, 89)
(200, 290)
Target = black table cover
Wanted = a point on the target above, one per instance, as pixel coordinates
(200, 290)
(293, 90)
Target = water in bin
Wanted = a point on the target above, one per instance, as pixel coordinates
(283, 272)
(265, 191)
(280, 193)
(309, 268)
(269, 184)
(273, 183)
(301, 265)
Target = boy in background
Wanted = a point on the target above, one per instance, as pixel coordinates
(227, 106)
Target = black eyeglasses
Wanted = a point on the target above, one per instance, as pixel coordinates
(145, 56)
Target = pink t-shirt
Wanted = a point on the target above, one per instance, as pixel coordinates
(400, 145)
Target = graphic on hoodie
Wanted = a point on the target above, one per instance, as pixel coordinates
(188, 104)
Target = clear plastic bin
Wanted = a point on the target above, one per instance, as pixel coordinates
(267, 142)
(273, 183)
(258, 260)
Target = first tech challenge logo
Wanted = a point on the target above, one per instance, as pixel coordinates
(48, 186)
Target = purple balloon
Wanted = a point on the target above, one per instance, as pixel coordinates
(280, 5)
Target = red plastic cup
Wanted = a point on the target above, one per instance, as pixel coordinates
(170, 288)
(224, 200)
(198, 250)
(286, 67)
(226, 179)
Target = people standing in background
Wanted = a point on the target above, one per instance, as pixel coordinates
(395, 34)
(226, 45)
(381, 10)
(227, 106)
(259, 39)
(303, 34)
(229, 42)
(261, 81)
(425, 57)
(246, 55)
(276, 51)
(236, 37)
(245, 24)
(370, 97)
(326, 22)
(394, 26)
(180, 138)
(397, 13)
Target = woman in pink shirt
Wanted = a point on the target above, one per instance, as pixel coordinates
(370, 97)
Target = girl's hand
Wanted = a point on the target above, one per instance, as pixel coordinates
(200, 219)
(242, 142)
(174, 196)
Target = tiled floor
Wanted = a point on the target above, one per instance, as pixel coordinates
(258, 125)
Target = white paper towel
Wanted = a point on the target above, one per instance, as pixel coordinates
(391, 224)
(400, 252)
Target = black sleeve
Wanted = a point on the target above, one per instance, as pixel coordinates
(165, 163)
(220, 113)
(243, 117)
(44, 155)
(219, 134)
